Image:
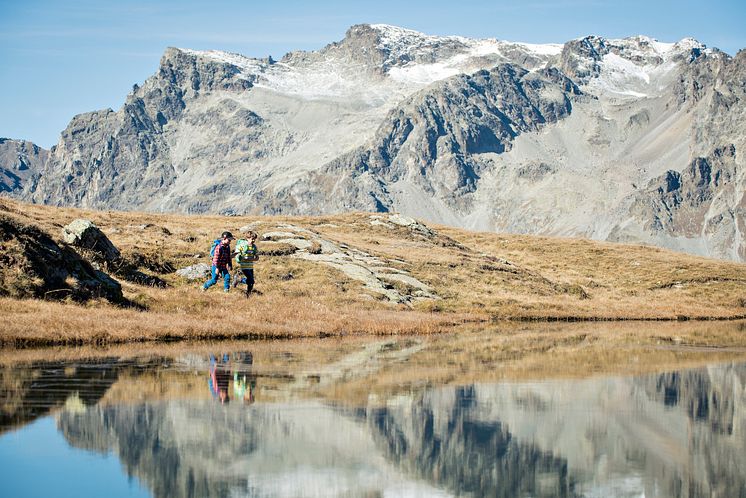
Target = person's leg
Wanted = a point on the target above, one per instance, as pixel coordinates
(226, 280)
(249, 280)
(213, 279)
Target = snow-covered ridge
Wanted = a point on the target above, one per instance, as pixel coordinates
(400, 40)
(238, 60)
(633, 67)
(639, 66)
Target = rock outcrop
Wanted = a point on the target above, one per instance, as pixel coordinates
(84, 234)
(34, 265)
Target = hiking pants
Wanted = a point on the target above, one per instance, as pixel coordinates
(248, 279)
(215, 273)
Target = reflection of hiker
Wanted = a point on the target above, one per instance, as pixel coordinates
(243, 387)
(221, 262)
(244, 383)
(246, 253)
(220, 377)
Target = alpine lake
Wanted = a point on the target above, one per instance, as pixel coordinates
(482, 412)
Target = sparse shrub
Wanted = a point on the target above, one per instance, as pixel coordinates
(276, 249)
(315, 248)
(574, 290)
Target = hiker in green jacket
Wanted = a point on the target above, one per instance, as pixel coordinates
(246, 254)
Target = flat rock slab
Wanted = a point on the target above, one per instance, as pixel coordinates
(279, 235)
(299, 243)
(406, 279)
(381, 224)
(375, 273)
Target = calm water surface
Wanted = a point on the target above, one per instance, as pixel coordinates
(356, 421)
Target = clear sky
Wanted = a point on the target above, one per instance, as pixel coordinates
(59, 58)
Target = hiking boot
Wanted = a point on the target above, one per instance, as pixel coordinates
(203, 288)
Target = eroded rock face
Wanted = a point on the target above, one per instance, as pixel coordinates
(108, 159)
(19, 160)
(438, 140)
(705, 201)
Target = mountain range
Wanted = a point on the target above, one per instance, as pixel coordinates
(627, 140)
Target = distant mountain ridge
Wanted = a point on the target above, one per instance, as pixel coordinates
(624, 140)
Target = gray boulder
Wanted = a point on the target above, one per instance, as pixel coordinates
(195, 272)
(84, 234)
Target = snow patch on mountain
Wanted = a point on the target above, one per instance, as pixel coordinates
(639, 67)
(247, 65)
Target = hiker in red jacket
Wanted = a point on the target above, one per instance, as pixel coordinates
(221, 263)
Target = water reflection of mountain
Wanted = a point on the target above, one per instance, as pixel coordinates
(33, 391)
(596, 437)
(437, 438)
(599, 437)
(205, 449)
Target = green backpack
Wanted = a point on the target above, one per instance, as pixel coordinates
(242, 247)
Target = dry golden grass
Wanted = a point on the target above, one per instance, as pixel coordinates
(481, 277)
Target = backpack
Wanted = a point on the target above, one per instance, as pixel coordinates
(242, 246)
(215, 243)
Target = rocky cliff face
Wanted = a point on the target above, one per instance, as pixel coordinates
(486, 134)
(19, 160)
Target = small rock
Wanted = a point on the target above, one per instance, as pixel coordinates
(402, 220)
(195, 272)
(251, 227)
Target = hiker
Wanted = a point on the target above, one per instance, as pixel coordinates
(244, 387)
(246, 254)
(221, 262)
(219, 379)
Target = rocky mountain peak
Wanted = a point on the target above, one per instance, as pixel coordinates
(380, 47)
(481, 133)
(19, 160)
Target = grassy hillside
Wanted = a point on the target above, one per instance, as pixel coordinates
(424, 279)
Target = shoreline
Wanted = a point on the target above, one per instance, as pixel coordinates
(456, 324)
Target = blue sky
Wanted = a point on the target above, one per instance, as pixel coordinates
(63, 57)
